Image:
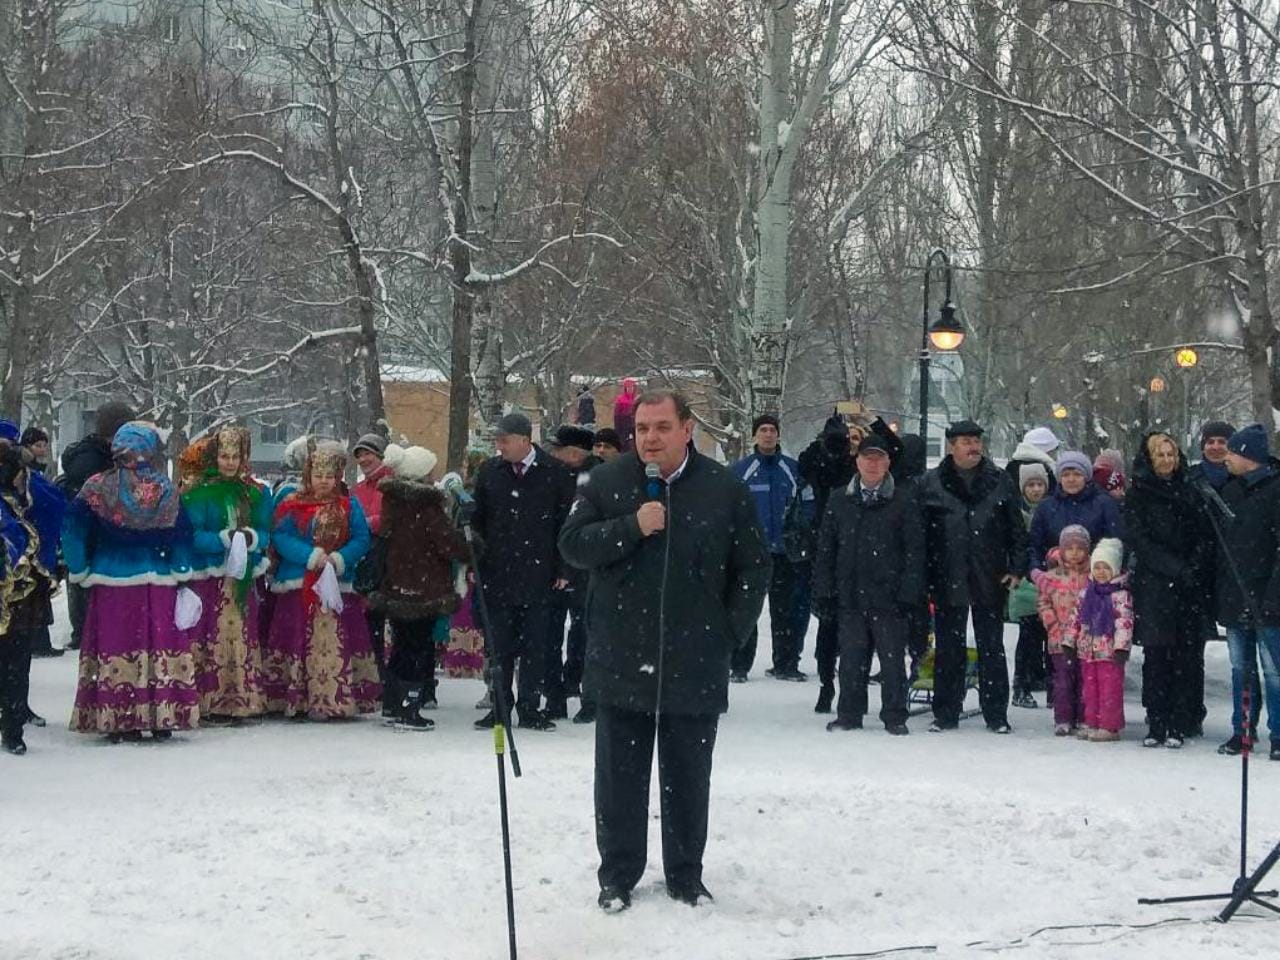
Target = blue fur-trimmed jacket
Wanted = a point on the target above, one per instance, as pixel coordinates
(99, 553)
(211, 537)
(297, 550)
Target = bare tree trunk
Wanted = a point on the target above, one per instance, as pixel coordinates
(489, 372)
(361, 269)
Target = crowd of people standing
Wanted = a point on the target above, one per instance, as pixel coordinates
(209, 599)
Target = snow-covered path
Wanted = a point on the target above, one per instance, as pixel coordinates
(355, 842)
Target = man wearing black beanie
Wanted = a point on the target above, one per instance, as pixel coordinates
(774, 481)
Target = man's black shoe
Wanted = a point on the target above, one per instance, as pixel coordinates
(940, 726)
(1232, 747)
(587, 714)
(614, 899)
(825, 697)
(13, 745)
(844, 724)
(557, 710)
(896, 729)
(487, 721)
(161, 734)
(35, 719)
(738, 677)
(535, 720)
(1001, 728)
(46, 652)
(690, 892)
(1275, 749)
(793, 675)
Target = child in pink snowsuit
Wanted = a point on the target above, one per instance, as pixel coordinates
(1101, 636)
(1059, 595)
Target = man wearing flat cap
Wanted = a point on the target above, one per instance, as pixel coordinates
(870, 574)
(522, 498)
(977, 550)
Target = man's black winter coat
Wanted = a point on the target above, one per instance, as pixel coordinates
(871, 556)
(82, 460)
(1254, 539)
(1167, 534)
(518, 520)
(717, 565)
(975, 535)
(826, 469)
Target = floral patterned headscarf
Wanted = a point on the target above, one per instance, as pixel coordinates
(135, 494)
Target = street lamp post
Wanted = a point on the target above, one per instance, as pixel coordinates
(945, 334)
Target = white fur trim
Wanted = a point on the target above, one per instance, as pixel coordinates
(260, 570)
(137, 580)
(339, 565)
(316, 559)
(225, 537)
(286, 586)
(253, 539)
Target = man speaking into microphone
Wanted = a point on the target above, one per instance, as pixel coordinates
(678, 569)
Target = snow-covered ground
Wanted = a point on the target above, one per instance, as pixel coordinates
(355, 842)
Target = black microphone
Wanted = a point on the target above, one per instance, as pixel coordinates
(653, 486)
(1201, 483)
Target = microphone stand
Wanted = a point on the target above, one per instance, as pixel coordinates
(1245, 888)
(502, 737)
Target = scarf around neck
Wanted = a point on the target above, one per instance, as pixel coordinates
(326, 522)
(1097, 612)
(236, 499)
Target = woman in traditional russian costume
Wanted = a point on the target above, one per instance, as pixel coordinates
(225, 503)
(127, 539)
(319, 663)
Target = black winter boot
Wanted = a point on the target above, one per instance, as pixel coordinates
(409, 715)
(393, 692)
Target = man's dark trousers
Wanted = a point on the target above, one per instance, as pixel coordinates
(827, 649)
(950, 663)
(566, 656)
(15, 679)
(860, 630)
(624, 760)
(520, 633)
(783, 619)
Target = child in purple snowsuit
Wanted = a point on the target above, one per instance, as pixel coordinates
(1060, 588)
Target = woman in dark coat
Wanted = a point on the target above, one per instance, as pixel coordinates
(1170, 541)
(417, 587)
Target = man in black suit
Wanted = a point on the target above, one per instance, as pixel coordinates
(522, 498)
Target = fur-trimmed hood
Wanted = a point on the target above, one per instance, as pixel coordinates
(410, 491)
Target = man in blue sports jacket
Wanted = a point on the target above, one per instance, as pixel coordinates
(774, 479)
